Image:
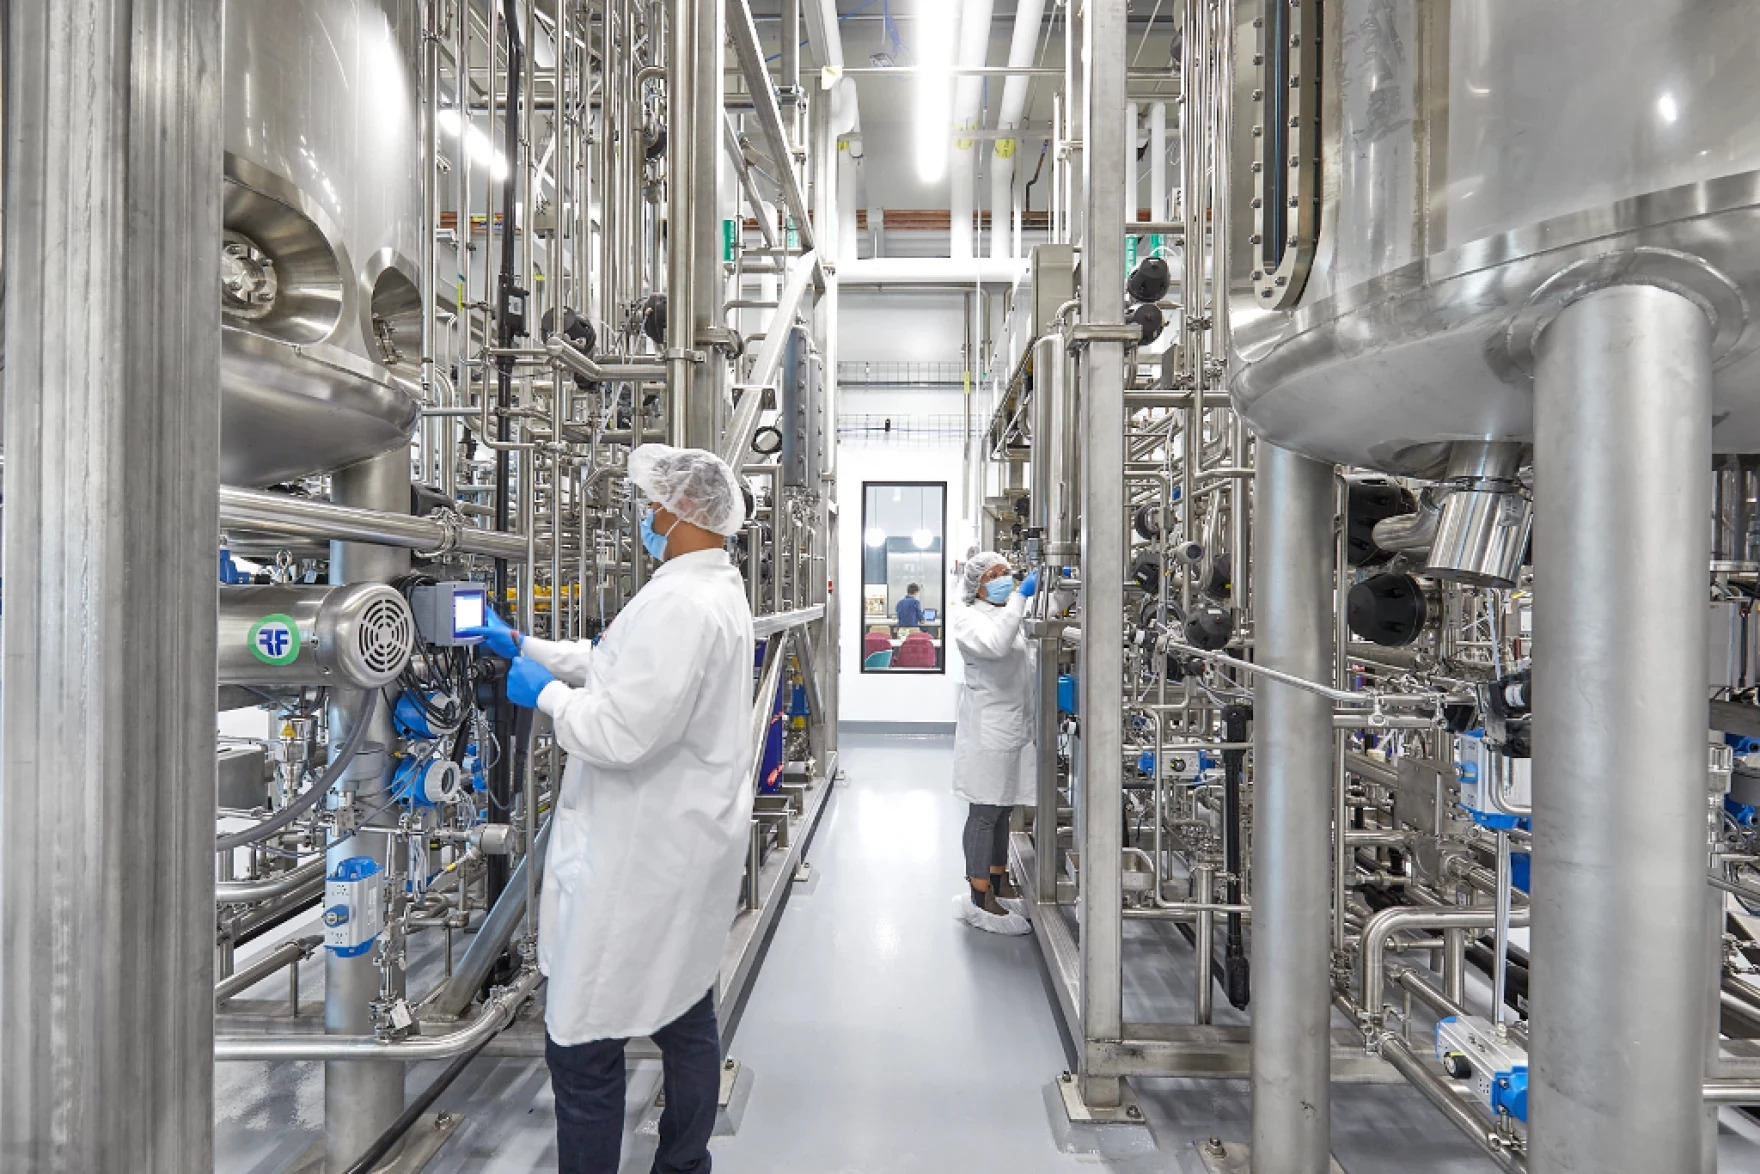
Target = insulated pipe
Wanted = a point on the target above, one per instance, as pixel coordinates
(1622, 427)
(1028, 16)
(1292, 817)
(974, 44)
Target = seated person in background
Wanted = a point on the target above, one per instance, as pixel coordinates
(910, 608)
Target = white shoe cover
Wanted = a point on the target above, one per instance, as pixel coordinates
(1016, 905)
(1008, 924)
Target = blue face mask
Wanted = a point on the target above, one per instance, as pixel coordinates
(653, 541)
(999, 589)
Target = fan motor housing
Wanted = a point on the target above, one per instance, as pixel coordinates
(357, 636)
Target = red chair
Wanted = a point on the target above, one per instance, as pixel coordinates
(917, 652)
(875, 642)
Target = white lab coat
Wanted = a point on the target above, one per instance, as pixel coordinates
(642, 878)
(994, 760)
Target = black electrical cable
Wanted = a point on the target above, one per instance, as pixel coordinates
(383, 1143)
(501, 775)
(310, 796)
(1234, 957)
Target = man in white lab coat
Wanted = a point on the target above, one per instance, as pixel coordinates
(645, 860)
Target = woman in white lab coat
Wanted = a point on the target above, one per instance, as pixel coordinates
(994, 760)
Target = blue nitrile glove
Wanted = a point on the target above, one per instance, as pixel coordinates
(526, 679)
(497, 636)
(1030, 585)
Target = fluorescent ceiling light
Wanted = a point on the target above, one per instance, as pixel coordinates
(934, 43)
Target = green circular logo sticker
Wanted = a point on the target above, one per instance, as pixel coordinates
(274, 639)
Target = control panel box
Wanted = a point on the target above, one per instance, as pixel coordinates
(446, 611)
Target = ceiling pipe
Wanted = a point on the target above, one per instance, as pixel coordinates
(974, 46)
(1010, 114)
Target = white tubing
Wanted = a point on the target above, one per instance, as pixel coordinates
(1158, 161)
(1027, 19)
(974, 44)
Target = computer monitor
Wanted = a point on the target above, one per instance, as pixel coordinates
(929, 615)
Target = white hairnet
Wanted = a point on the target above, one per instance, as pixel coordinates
(696, 486)
(975, 569)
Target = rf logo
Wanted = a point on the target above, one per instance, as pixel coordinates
(274, 640)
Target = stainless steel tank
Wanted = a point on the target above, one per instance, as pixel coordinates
(1434, 181)
(321, 314)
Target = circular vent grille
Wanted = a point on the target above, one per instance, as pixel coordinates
(384, 637)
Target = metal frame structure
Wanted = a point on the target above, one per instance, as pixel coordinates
(1338, 819)
(570, 163)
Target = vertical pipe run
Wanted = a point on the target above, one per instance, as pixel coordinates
(681, 178)
(1292, 817)
(112, 420)
(1622, 429)
(1158, 161)
(699, 212)
(361, 1099)
(1105, 550)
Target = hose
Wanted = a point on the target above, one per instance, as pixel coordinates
(310, 796)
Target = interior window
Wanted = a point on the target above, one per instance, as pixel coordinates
(904, 576)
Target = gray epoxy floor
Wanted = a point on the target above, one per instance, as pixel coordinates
(883, 1037)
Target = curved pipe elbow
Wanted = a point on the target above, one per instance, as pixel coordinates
(1411, 533)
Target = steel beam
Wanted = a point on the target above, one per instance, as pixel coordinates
(1622, 445)
(112, 422)
(744, 35)
(1105, 551)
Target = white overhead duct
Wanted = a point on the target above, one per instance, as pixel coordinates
(1028, 16)
(974, 46)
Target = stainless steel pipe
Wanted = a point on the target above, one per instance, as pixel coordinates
(237, 892)
(497, 1013)
(1622, 419)
(293, 517)
(1292, 817)
(1408, 917)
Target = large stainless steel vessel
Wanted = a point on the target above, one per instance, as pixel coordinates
(320, 306)
(1436, 180)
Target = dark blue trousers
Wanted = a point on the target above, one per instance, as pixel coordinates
(588, 1080)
